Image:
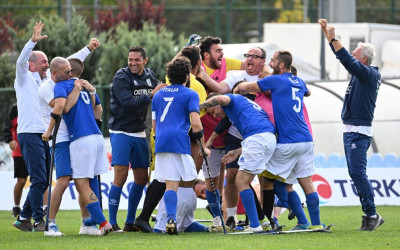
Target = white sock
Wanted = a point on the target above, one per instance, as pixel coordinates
(374, 216)
(17, 206)
(22, 218)
(52, 222)
(232, 211)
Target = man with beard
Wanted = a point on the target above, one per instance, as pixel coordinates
(216, 66)
(254, 62)
(294, 154)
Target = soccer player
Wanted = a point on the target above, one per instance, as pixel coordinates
(357, 115)
(87, 151)
(187, 202)
(216, 67)
(175, 108)
(257, 147)
(61, 149)
(131, 92)
(294, 154)
(157, 188)
(254, 62)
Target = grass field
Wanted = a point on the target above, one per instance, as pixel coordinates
(343, 236)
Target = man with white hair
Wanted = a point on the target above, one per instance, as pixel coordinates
(357, 115)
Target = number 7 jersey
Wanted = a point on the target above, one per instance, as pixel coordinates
(171, 107)
(287, 92)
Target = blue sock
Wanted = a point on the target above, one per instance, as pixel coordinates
(280, 191)
(113, 203)
(312, 201)
(250, 207)
(135, 194)
(170, 200)
(90, 222)
(94, 185)
(196, 227)
(214, 205)
(295, 204)
(96, 213)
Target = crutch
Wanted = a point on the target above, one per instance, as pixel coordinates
(212, 184)
(53, 141)
(100, 198)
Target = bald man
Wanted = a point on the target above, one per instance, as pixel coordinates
(31, 71)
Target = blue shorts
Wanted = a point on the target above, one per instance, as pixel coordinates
(129, 149)
(62, 159)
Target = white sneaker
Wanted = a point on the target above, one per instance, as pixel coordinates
(253, 229)
(53, 231)
(217, 221)
(265, 225)
(89, 230)
(106, 229)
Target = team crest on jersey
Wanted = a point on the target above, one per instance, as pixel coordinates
(135, 82)
(148, 82)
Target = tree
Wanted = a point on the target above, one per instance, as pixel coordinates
(134, 14)
(158, 42)
(7, 32)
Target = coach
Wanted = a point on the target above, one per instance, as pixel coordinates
(357, 115)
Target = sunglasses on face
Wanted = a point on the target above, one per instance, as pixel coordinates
(67, 72)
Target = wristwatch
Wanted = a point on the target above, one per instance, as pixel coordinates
(150, 95)
(333, 39)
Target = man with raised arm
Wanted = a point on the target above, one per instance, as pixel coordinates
(357, 115)
(32, 69)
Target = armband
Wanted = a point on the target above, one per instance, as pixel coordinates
(198, 135)
(88, 48)
(56, 117)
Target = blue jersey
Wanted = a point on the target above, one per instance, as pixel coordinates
(248, 117)
(171, 108)
(80, 119)
(97, 99)
(287, 92)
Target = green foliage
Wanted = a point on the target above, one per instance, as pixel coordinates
(290, 16)
(63, 40)
(159, 44)
(7, 71)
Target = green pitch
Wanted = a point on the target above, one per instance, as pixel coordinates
(343, 236)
